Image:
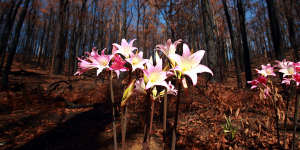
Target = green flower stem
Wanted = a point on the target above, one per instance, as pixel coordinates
(165, 116)
(176, 115)
(291, 95)
(146, 125)
(124, 118)
(295, 119)
(123, 123)
(151, 119)
(113, 111)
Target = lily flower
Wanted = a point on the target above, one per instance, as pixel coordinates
(260, 80)
(266, 70)
(169, 48)
(125, 48)
(296, 77)
(266, 93)
(189, 64)
(94, 60)
(140, 86)
(154, 75)
(288, 69)
(118, 64)
(286, 81)
(297, 66)
(83, 66)
(282, 64)
(137, 61)
(171, 89)
(254, 83)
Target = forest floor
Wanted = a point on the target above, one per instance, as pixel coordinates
(33, 115)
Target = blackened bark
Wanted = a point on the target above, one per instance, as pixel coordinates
(210, 38)
(7, 30)
(60, 45)
(291, 26)
(42, 44)
(79, 33)
(124, 25)
(234, 46)
(275, 29)
(138, 23)
(48, 37)
(245, 42)
(30, 35)
(72, 51)
(14, 44)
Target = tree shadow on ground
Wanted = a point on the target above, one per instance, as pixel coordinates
(78, 133)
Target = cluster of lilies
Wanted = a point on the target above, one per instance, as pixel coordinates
(154, 74)
(156, 80)
(290, 72)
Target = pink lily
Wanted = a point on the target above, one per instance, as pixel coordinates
(260, 80)
(118, 65)
(140, 86)
(171, 89)
(125, 48)
(286, 81)
(297, 66)
(169, 48)
(137, 61)
(254, 83)
(189, 64)
(266, 92)
(83, 66)
(296, 77)
(154, 75)
(288, 69)
(266, 70)
(282, 64)
(94, 60)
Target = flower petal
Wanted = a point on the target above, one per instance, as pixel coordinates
(131, 42)
(186, 50)
(193, 76)
(124, 42)
(201, 68)
(197, 56)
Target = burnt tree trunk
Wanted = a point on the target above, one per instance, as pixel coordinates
(14, 44)
(291, 26)
(210, 38)
(138, 22)
(245, 42)
(233, 45)
(275, 29)
(60, 45)
(79, 33)
(7, 30)
(42, 44)
(124, 24)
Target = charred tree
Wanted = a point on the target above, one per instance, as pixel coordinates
(60, 46)
(246, 54)
(14, 44)
(79, 32)
(124, 24)
(275, 29)
(233, 45)
(210, 38)
(7, 29)
(289, 13)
